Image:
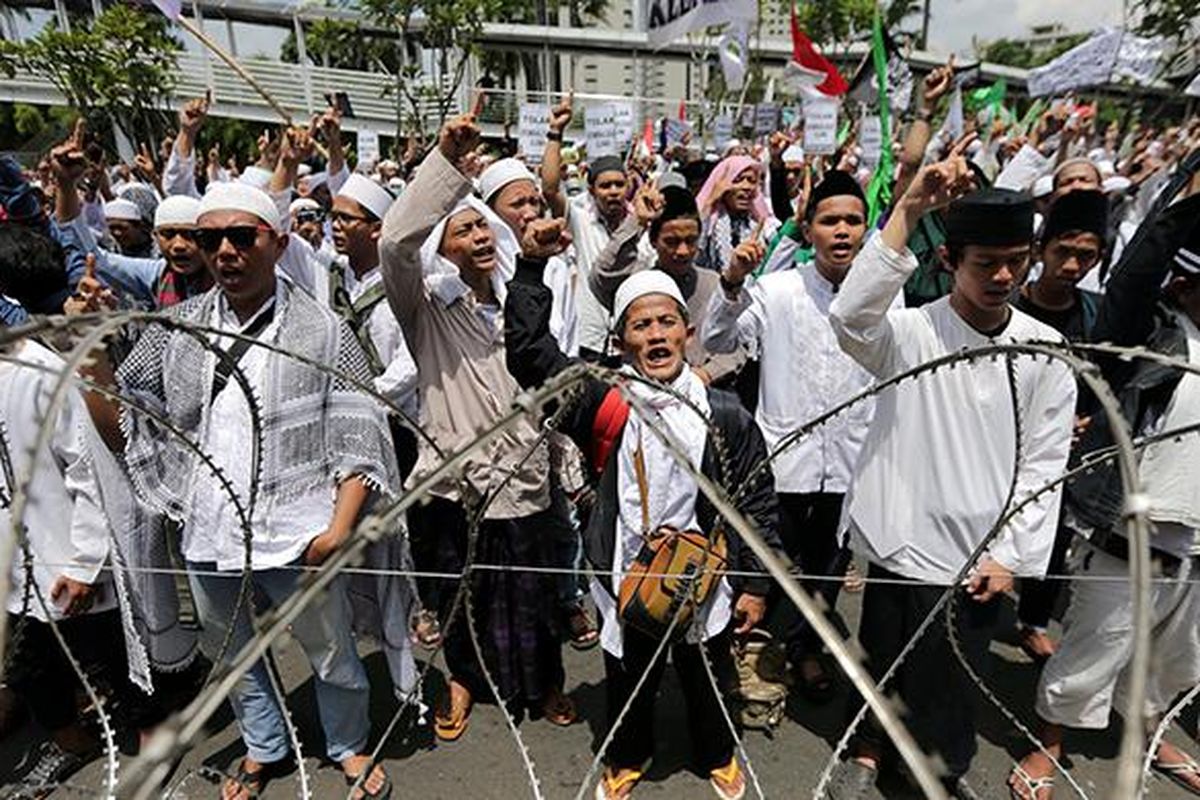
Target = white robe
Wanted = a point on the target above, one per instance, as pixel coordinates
(938, 460)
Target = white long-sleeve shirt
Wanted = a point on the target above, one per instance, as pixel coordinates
(66, 528)
(784, 318)
(398, 382)
(936, 467)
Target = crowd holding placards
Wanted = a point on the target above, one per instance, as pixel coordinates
(331, 338)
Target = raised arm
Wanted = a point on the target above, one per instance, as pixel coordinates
(859, 313)
(619, 258)
(560, 118)
(179, 174)
(437, 186)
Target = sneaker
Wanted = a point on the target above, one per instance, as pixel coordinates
(51, 765)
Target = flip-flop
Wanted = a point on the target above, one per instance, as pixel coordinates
(584, 635)
(1175, 772)
(1031, 785)
(608, 785)
(254, 782)
(385, 791)
(727, 774)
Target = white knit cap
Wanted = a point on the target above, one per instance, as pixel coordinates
(256, 176)
(368, 194)
(303, 204)
(794, 154)
(1043, 186)
(178, 210)
(640, 284)
(122, 209)
(303, 171)
(240, 197)
(501, 174)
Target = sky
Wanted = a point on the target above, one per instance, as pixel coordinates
(953, 23)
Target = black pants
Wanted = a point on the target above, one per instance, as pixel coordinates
(41, 675)
(933, 686)
(515, 611)
(1039, 596)
(633, 744)
(809, 534)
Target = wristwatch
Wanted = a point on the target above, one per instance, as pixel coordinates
(554, 136)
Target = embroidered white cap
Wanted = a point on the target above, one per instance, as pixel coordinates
(501, 174)
(122, 209)
(240, 197)
(178, 210)
(368, 194)
(303, 204)
(640, 284)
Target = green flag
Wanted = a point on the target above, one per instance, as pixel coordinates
(879, 190)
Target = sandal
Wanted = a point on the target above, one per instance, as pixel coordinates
(450, 727)
(1175, 772)
(1031, 786)
(384, 792)
(584, 635)
(727, 776)
(253, 783)
(609, 785)
(558, 709)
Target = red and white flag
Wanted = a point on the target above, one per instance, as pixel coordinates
(809, 70)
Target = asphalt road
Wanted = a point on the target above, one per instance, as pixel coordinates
(485, 763)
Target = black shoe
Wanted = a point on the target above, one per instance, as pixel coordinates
(49, 765)
(853, 780)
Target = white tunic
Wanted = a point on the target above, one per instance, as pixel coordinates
(938, 461)
(66, 528)
(398, 382)
(784, 318)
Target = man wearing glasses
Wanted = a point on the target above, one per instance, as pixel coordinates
(323, 450)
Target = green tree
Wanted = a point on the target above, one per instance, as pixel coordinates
(1014, 53)
(343, 45)
(118, 68)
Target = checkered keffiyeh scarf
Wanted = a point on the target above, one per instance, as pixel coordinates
(315, 428)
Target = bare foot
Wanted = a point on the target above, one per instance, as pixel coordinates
(1036, 644)
(1185, 773)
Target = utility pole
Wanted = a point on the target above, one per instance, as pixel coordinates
(925, 25)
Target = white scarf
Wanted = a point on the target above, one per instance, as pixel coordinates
(1168, 468)
(671, 491)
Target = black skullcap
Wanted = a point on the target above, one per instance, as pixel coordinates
(835, 184)
(1077, 212)
(990, 217)
(678, 203)
(604, 164)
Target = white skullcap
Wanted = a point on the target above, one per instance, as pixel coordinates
(256, 176)
(794, 154)
(640, 284)
(671, 178)
(303, 204)
(1115, 184)
(1106, 167)
(240, 197)
(501, 174)
(178, 210)
(122, 209)
(1043, 186)
(368, 194)
(396, 184)
(303, 170)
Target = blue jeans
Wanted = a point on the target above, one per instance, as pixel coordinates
(567, 546)
(323, 631)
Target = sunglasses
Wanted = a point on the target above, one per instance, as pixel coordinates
(242, 237)
(345, 219)
(309, 216)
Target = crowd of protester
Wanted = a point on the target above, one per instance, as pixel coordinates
(333, 337)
